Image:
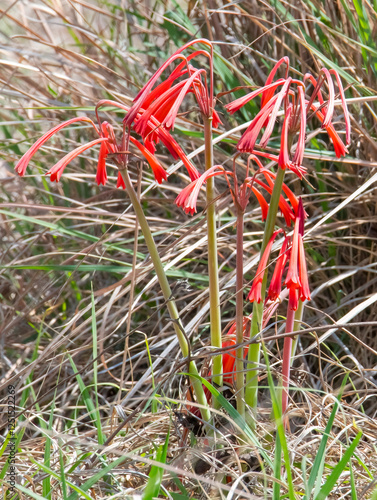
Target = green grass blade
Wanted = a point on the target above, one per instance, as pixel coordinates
(277, 469)
(277, 410)
(352, 481)
(156, 473)
(238, 420)
(319, 462)
(338, 469)
(30, 493)
(53, 474)
(63, 481)
(93, 480)
(46, 488)
(95, 367)
(90, 406)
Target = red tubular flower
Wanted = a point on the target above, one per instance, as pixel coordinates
(300, 146)
(158, 171)
(267, 96)
(288, 214)
(23, 163)
(56, 171)
(323, 115)
(344, 105)
(120, 181)
(339, 146)
(288, 193)
(256, 288)
(277, 278)
(188, 197)
(297, 277)
(241, 101)
(284, 160)
(292, 95)
(229, 357)
(249, 138)
(108, 146)
(282, 95)
(193, 83)
(262, 202)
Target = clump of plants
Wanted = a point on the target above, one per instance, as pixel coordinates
(280, 282)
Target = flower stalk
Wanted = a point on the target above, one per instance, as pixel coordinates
(213, 272)
(167, 293)
(251, 389)
(240, 377)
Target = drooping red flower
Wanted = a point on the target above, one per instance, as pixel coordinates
(297, 277)
(56, 171)
(274, 289)
(255, 293)
(158, 170)
(188, 197)
(291, 94)
(291, 252)
(154, 133)
(164, 101)
(22, 164)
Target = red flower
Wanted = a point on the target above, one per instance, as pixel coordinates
(23, 163)
(188, 197)
(256, 288)
(277, 278)
(169, 99)
(292, 95)
(297, 277)
(296, 280)
(159, 172)
(56, 171)
(153, 134)
(325, 113)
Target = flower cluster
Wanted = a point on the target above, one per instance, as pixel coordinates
(291, 252)
(152, 116)
(188, 197)
(297, 110)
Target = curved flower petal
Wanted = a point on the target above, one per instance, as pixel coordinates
(56, 171)
(344, 105)
(234, 106)
(158, 170)
(188, 197)
(23, 163)
(256, 288)
(268, 95)
(277, 277)
(141, 96)
(284, 160)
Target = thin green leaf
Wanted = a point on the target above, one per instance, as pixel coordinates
(156, 473)
(338, 469)
(315, 477)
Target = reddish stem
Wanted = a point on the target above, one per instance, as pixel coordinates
(287, 353)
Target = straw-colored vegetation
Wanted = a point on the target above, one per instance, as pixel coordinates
(101, 390)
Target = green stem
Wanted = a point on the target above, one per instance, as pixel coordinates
(166, 291)
(251, 392)
(213, 271)
(240, 376)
